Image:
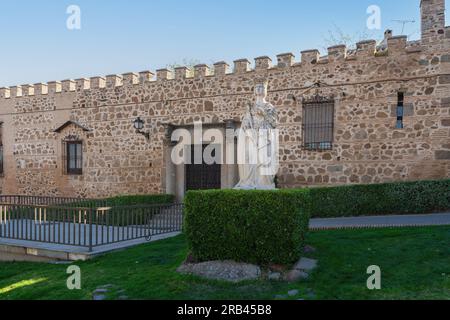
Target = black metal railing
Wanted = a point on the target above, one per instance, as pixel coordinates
(51, 201)
(86, 226)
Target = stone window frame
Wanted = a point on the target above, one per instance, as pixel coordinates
(66, 158)
(2, 171)
(77, 133)
(329, 126)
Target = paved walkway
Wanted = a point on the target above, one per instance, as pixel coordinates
(19, 250)
(441, 219)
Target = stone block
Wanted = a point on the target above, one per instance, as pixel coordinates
(408, 110)
(222, 270)
(181, 72)
(335, 169)
(310, 56)
(442, 155)
(241, 66)
(263, 63)
(221, 68)
(47, 254)
(445, 79)
(445, 102)
(285, 60)
(12, 249)
(78, 257)
(201, 70)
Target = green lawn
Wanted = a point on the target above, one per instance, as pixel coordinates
(415, 263)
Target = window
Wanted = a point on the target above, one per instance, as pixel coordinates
(74, 157)
(1, 148)
(1, 159)
(400, 110)
(318, 124)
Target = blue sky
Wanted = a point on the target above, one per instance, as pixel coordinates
(120, 36)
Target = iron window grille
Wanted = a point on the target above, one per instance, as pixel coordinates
(318, 124)
(1, 159)
(72, 157)
(400, 110)
(1, 148)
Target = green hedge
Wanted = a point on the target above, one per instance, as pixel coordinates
(141, 200)
(262, 227)
(381, 199)
(118, 201)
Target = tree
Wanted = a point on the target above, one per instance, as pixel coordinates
(189, 63)
(338, 36)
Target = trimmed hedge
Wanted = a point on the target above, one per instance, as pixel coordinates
(120, 201)
(381, 199)
(141, 200)
(262, 227)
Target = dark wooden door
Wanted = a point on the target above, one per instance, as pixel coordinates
(202, 176)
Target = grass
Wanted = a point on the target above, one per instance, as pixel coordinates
(415, 264)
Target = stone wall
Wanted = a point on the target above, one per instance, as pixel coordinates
(364, 84)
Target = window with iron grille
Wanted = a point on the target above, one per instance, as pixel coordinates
(318, 124)
(72, 157)
(1, 159)
(1, 148)
(400, 110)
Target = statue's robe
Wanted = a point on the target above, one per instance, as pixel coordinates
(257, 147)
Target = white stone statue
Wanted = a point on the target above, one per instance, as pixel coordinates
(258, 144)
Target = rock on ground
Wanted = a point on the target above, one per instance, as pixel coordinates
(306, 264)
(222, 270)
(293, 293)
(274, 276)
(296, 275)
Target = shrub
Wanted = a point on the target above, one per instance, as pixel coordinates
(262, 227)
(119, 201)
(140, 200)
(381, 199)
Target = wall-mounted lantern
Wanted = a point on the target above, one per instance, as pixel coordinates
(139, 126)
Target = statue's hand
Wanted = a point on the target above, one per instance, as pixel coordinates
(260, 111)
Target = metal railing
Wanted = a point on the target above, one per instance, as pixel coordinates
(85, 226)
(51, 201)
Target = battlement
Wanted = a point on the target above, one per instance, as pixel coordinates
(434, 33)
(336, 54)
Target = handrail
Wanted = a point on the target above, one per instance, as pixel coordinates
(87, 227)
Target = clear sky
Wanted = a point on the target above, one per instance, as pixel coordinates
(120, 36)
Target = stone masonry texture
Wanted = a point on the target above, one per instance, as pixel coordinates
(367, 147)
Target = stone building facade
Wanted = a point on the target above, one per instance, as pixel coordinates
(390, 119)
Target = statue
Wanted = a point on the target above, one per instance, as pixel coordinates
(258, 144)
